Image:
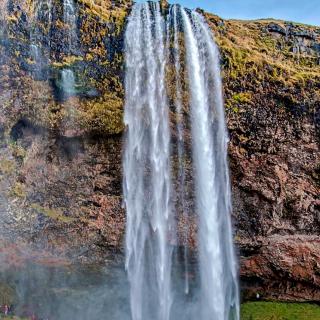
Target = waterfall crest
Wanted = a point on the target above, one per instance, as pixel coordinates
(148, 182)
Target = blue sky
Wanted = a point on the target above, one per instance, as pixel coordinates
(304, 11)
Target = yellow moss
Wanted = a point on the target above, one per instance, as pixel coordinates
(17, 150)
(67, 61)
(30, 61)
(55, 214)
(98, 52)
(12, 18)
(59, 24)
(103, 115)
(107, 11)
(18, 191)
(7, 166)
(89, 57)
(242, 97)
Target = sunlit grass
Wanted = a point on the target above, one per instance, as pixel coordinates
(279, 311)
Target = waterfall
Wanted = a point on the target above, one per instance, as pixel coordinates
(3, 29)
(68, 82)
(71, 38)
(3, 25)
(148, 184)
(69, 18)
(3, 12)
(146, 166)
(217, 263)
(42, 12)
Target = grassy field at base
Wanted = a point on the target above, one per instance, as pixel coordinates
(262, 311)
(279, 311)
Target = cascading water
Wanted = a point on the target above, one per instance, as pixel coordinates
(42, 12)
(146, 166)
(147, 180)
(219, 289)
(71, 38)
(68, 82)
(69, 18)
(3, 12)
(3, 24)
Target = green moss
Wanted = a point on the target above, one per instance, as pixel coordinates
(242, 97)
(236, 102)
(96, 101)
(279, 311)
(55, 214)
(266, 43)
(250, 52)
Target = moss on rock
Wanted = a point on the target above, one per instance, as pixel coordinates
(104, 115)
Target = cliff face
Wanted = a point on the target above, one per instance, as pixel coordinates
(60, 161)
(272, 82)
(61, 147)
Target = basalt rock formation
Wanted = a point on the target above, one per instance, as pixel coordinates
(60, 161)
(272, 101)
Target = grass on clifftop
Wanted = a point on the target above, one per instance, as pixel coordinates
(250, 50)
(279, 311)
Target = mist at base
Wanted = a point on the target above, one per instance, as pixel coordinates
(50, 290)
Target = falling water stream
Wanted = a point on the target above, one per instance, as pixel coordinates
(71, 38)
(146, 166)
(148, 184)
(217, 264)
(42, 11)
(161, 132)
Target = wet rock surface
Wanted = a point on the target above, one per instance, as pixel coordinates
(282, 267)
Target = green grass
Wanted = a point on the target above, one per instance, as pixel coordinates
(265, 311)
(279, 311)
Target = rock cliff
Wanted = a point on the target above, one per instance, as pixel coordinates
(271, 75)
(60, 161)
